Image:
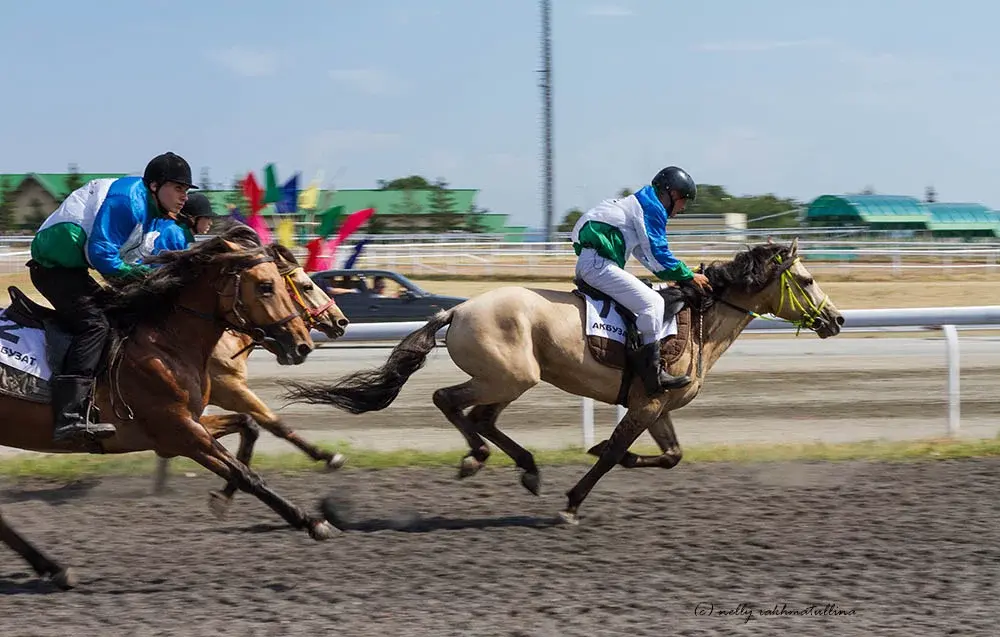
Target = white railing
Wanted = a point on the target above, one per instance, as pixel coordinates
(947, 319)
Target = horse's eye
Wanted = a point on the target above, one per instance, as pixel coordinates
(309, 287)
(266, 287)
(807, 282)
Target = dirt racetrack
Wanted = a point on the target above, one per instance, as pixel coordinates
(861, 548)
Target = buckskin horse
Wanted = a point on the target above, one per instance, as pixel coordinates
(227, 369)
(511, 338)
(154, 379)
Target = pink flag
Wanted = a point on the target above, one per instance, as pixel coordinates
(256, 221)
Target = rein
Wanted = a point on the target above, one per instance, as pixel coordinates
(258, 333)
(791, 292)
(310, 314)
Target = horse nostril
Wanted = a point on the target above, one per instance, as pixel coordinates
(343, 322)
(840, 321)
(303, 350)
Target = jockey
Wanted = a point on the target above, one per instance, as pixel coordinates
(604, 238)
(196, 216)
(110, 226)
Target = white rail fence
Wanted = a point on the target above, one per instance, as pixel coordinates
(947, 319)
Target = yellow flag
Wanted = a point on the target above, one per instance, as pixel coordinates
(309, 198)
(286, 233)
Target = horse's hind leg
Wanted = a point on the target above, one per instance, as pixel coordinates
(64, 578)
(485, 419)
(224, 425)
(452, 401)
(662, 431)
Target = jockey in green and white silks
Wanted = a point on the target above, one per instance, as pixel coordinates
(607, 235)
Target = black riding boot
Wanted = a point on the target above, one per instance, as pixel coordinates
(70, 395)
(654, 377)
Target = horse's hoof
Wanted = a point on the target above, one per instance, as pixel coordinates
(336, 461)
(65, 579)
(469, 467)
(218, 503)
(531, 481)
(322, 530)
(598, 449)
(569, 518)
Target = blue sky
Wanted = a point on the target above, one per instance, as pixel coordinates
(794, 98)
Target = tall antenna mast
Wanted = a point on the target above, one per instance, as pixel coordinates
(546, 85)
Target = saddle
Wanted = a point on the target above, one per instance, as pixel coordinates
(612, 337)
(33, 347)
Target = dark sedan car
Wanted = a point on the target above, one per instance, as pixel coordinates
(380, 296)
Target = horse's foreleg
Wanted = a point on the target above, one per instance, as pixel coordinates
(224, 425)
(210, 454)
(662, 431)
(630, 428)
(64, 578)
(230, 392)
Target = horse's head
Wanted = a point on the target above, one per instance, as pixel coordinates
(318, 310)
(253, 298)
(771, 279)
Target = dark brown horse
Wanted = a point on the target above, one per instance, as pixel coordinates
(510, 339)
(155, 383)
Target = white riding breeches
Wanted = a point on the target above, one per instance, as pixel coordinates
(626, 288)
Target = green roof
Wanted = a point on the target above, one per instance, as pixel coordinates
(870, 209)
(56, 184)
(898, 211)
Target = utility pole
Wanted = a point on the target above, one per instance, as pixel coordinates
(547, 117)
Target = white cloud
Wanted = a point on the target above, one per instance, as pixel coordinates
(246, 62)
(609, 11)
(368, 81)
(756, 46)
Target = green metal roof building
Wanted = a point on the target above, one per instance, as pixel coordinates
(895, 212)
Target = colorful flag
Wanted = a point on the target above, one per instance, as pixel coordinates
(353, 221)
(258, 223)
(331, 218)
(286, 233)
(319, 257)
(289, 197)
(357, 253)
(272, 193)
(309, 198)
(253, 193)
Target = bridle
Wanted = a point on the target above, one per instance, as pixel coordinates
(795, 295)
(260, 334)
(309, 314)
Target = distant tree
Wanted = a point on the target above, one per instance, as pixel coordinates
(569, 220)
(473, 219)
(413, 182)
(6, 208)
(235, 195)
(441, 202)
(930, 195)
(204, 182)
(74, 179)
(625, 192)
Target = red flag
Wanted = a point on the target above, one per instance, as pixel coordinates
(319, 255)
(253, 193)
(353, 221)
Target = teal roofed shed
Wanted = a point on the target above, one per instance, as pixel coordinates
(893, 210)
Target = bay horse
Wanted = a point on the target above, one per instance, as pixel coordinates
(154, 381)
(227, 369)
(511, 338)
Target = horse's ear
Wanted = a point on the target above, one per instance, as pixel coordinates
(795, 246)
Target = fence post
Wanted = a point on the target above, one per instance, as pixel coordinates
(954, 378)
(160, 478)
(588, 423)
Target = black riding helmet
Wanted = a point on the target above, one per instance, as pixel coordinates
(677, 179)
(197, 205)
(168, 167)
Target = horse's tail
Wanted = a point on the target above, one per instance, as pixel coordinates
(375, 389)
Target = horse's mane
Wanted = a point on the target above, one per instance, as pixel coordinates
(152, 298)
(281, 253)
(749, 272)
